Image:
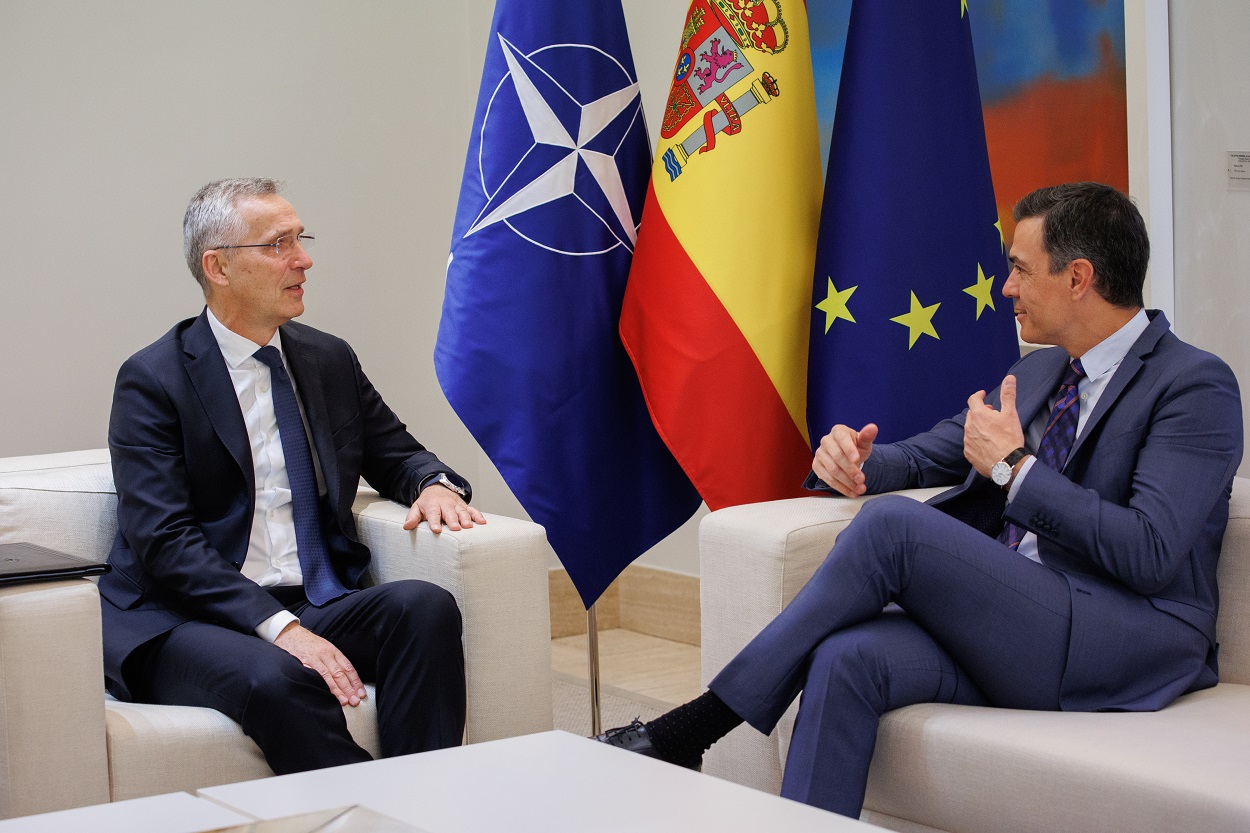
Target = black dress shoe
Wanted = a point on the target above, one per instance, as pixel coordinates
(636, 738)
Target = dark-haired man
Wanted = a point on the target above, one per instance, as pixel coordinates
(1073, 566)
(237, 441)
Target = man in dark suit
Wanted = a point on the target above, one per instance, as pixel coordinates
(1073, 566)
(237, 442)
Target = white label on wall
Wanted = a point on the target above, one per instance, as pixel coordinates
(1239, 169)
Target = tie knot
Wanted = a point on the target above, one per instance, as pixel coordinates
(1075, 372)
(270, 356)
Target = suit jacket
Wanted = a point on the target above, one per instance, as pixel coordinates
(1134, 521)
(186, 489)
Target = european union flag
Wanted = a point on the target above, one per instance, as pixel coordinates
(528, 352)
(908, 317)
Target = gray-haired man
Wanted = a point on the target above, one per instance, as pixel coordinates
(237, 442)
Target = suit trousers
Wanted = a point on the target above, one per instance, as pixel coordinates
(404, 636)
(979, 625)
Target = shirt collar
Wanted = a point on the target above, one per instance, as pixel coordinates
(236, 349)
(1109, 352)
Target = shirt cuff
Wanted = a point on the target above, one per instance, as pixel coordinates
(269, 629)
(1015, 484)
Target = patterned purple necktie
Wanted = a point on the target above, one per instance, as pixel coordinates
(320, 582)
(1058, 438)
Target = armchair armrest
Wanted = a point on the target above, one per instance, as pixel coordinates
(498, 574)
(753, 559)
(53, 752)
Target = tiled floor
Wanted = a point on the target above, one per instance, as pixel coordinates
(657, 670)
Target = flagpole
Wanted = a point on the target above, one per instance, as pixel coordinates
(592, 651)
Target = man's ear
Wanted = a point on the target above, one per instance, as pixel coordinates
(1081, 279)
(213, 262)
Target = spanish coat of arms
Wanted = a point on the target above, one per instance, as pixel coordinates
(718, 44)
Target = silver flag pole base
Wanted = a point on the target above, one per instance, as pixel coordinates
(592, 652)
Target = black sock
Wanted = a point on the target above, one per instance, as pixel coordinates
(684, 734)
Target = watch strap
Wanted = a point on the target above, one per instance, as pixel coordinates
(1016, 456)
(454, 482)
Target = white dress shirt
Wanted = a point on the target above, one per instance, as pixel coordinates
(272, 555)
(1099, 363)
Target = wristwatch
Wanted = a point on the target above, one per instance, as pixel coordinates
(1000, 472)
(444, 480)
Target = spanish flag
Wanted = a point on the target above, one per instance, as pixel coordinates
(715, 315)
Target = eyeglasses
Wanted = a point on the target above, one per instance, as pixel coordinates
(282, 247)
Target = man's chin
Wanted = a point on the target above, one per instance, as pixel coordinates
(1035, 338)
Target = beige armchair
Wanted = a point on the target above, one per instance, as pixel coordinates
(64, 743)
(984, 770)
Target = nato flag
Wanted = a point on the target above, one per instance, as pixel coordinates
(528, 352)
(908, 319)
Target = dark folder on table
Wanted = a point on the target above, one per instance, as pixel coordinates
(20, 563)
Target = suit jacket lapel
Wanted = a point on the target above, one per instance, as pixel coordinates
(1033, 395)
(207, 370)
(1128, 369)
(306, 368)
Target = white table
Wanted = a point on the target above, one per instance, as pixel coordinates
(548, 782)
(170, 813)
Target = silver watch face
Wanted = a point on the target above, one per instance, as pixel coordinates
(444, 480)
(1000, 473)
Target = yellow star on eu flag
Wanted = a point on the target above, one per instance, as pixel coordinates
(918, 320)
(1002, 241)
(983, 291)
(963, 8)
(834, 305)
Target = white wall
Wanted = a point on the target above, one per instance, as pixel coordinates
(113, 114)
(1211, 116)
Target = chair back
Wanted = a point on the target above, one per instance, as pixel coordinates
(64, 501)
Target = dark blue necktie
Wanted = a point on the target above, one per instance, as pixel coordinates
(320, 582)
(1058, 438)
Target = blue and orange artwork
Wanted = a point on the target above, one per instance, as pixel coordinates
(1051, 74)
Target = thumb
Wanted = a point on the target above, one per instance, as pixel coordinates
(1007, 395)
(867, 434)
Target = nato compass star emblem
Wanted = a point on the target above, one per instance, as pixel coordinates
(558, 147)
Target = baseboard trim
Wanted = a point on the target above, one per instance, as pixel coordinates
(643, 599)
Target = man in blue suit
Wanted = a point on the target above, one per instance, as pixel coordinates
(238, 440)
(1073, 566)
